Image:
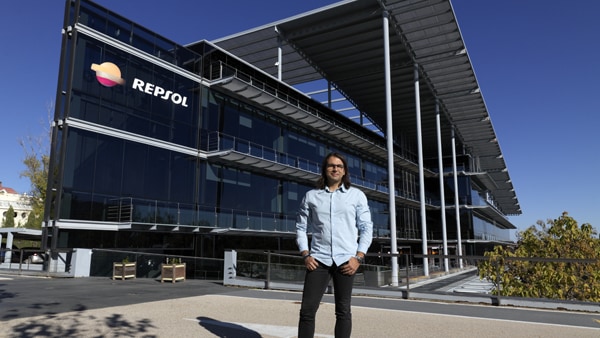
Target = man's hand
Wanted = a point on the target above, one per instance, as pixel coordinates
(311, 263)
(351, 267)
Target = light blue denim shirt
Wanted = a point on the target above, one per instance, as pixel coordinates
(340, 223)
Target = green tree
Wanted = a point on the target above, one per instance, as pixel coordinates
(37, 173)
(35, 217)
(36, 161)
(9, 218)
(569, 268)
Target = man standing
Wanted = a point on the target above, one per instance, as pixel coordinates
(339, 219)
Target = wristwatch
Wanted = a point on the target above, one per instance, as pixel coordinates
(360, 259)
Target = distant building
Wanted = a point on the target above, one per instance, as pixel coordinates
(195, 149)
(21, 204)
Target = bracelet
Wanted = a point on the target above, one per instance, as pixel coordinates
(360, 259)
(305, 256)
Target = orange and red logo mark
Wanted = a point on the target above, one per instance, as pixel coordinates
(108, 74)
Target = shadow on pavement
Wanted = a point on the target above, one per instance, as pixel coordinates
(226, 329)
(77, 324)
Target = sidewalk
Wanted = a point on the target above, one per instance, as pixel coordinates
(240, 314)
(101, 307)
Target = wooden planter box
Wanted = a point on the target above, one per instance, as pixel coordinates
(172, 272)
(123, 270)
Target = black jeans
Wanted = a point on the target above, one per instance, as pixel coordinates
(315, 284)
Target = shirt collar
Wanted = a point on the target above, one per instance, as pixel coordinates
(342, 188)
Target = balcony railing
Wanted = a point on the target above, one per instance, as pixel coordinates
(220, 71)
(218, 142)
(155, 212)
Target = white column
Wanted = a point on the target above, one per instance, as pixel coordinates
(328, 93)
(9, 245)
(279, 55)
(5, 261)
(421, 175)
(441, 175)
(389, 133)
(456, 202)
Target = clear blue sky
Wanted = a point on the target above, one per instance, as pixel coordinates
(537, 63)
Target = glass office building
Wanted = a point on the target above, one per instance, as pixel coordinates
(193, 149)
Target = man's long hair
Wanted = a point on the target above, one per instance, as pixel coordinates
(322, 182)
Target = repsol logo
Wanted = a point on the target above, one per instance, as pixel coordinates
(154, 90)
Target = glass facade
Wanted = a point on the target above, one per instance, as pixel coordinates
(137, 137)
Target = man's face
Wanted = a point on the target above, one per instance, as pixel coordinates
(335, 171)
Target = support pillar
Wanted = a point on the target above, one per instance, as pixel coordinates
(456, 202)
(441, 175)
(389, 134)
(421, 174)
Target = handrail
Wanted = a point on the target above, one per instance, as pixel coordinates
(218, 141)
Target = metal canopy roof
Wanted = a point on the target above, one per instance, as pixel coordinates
(344, 44)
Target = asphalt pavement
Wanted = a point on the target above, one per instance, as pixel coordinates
(102, 307)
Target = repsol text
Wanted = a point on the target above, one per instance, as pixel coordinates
(154, 90)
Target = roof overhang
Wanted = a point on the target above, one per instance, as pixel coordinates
(344, 44)
(22, 233)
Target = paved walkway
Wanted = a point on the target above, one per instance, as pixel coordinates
(146, 308)
(234, 316)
